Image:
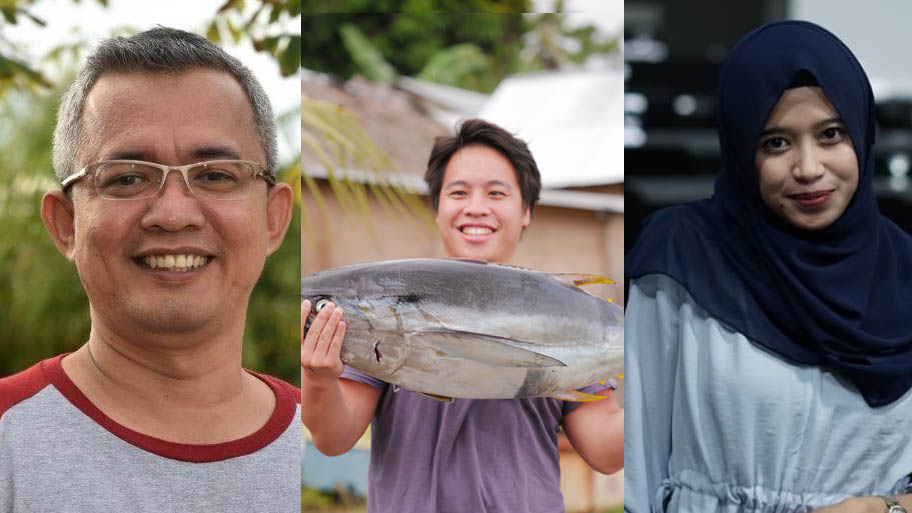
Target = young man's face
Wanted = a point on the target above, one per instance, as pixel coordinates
(480, 213)
(139, 259)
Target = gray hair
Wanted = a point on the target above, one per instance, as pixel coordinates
(158, 50)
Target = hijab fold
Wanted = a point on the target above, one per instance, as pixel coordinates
(840, 297)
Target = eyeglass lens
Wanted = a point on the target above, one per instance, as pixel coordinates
(134, 180)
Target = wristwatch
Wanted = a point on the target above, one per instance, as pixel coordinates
(893, 506)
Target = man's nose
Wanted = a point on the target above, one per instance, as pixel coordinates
(477, 204)
(175, 207)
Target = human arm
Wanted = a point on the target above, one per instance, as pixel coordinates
(866, 505)
(336, 411)
(596, 430)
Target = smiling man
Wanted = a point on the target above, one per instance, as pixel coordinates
(165, 149)
(468, 455)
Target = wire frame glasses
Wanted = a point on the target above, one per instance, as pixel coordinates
(136, 179)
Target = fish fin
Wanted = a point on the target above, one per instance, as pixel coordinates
(480, 347)
(441, 398)
(576, 396)
(577, 280)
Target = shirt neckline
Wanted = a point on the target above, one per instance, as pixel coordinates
(278, 422)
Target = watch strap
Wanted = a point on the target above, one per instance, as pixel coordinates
(893, 506)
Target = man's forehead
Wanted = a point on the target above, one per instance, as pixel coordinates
(200, 110)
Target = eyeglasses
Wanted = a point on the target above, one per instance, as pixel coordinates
(136, 179)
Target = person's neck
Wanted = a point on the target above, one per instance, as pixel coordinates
(187, 388)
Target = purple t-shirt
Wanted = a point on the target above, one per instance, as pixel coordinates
(468, 456)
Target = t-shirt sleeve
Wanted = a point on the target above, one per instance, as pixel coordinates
(569, 406)
(356, 375)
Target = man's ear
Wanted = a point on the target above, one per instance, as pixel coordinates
(279, 203)
(57, 214)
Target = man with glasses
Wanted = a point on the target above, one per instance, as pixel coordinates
(165, 148)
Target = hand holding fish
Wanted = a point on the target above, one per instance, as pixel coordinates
(321, 343)
(336, 411)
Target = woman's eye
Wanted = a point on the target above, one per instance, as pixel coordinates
(775, 144)
(457, 193)
(496, 193)
(832, 134)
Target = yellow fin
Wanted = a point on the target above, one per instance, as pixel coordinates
(441, 398)
(582, 279)
(576, 396)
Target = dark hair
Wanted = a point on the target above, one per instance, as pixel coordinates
(479, 132)
(158, 50)
(803, 78)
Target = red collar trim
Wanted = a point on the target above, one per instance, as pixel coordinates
(278, 422)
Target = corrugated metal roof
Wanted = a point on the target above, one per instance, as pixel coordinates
(581, 200)
(573, 122)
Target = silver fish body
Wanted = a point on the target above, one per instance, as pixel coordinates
(462, 328)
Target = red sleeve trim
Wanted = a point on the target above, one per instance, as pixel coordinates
(20, 386)
(281, 418)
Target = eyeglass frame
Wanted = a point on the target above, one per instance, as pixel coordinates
(260, 171)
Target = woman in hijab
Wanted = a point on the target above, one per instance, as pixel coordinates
(769, 328)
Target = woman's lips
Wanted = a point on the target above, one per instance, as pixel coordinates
(812, 199)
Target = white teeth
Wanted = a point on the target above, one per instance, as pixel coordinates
(180, 263)
(476, 230)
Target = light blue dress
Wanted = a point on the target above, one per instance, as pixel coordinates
(714, 423)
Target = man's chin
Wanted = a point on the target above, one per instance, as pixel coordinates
(171, 320)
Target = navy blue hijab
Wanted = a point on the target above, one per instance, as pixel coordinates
(840, 297)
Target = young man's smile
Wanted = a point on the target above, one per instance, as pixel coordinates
(480, 213)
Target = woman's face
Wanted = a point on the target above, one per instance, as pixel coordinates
(806, 163)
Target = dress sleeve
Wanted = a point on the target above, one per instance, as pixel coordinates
(650, 367)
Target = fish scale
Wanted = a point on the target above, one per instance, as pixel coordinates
(461, 328)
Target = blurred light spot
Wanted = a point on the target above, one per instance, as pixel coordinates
(634, 136)
(899, 183)
(635, 103)
(645, 49)
(898, 164)
(684, 105)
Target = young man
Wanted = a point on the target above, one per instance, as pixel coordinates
(165, 147)
(468, 455)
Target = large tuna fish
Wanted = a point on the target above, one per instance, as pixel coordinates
(462, 328)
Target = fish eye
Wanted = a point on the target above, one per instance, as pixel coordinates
(320, 304)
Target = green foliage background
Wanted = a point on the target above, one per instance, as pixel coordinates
(43, 309)
(471, 44)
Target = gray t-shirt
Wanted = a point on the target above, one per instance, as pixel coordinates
(59, 453)
(468, 456)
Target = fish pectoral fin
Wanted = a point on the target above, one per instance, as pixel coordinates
(489, 349)
(576, 396)
(441, 398)
(582, 279)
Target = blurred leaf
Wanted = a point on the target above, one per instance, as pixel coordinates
(212, 32)
(267, 44)
(368, 58)
(451, 65)
(235, 31)
(9, 14)
(290, 60)
(10, 69)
